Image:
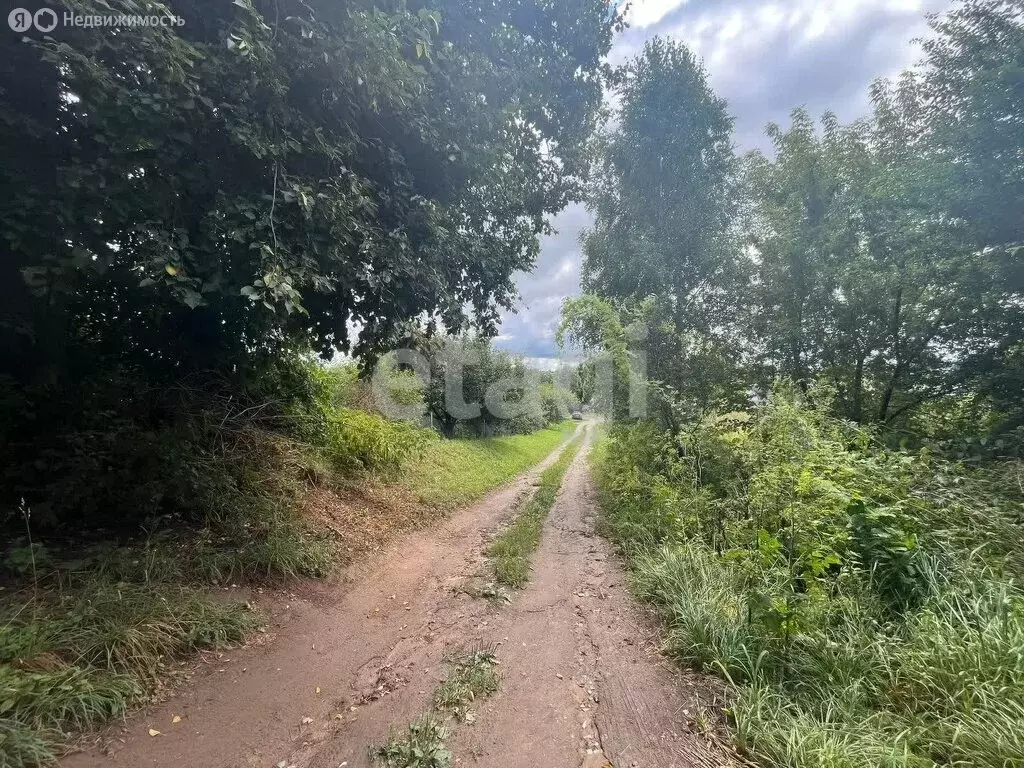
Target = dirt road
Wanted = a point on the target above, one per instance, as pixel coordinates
(582, 683)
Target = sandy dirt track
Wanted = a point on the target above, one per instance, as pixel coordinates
(582, 681)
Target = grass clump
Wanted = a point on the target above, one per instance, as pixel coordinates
(862, 602)
(24, 747)
(421, 746)
(74, 659)
(510, 551)
(474, 677)
(451, 473)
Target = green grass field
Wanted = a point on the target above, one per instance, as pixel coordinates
(451, 473)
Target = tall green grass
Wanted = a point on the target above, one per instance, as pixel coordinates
(74, 659)
(511, 549)
(450, 473)
(864, 614)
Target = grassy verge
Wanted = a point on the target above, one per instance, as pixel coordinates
(450, 473)
(861, 602)
(511, 549)
(422, 744)
(73, 659)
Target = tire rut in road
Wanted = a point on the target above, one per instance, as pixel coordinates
(365, 653)
(584, 682)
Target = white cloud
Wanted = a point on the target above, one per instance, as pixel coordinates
(764, 58)
(646, 13)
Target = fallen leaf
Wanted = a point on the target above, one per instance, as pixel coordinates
(318, 690)
(154, 732)
(307, 720)
(176, 719)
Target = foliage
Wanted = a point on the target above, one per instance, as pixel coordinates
(477, 389)
(361, 440)
(861, 600)
(423, 746)
(660, 186)
(337, 160)
(195, 208)
(974, 70)
(862, 278)
(662, 191)
(880, 257)
(511, 549)
(593, 324)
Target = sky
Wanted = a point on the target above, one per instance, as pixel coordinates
(764, 59)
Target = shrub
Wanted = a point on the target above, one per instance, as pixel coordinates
(358, 440)
(860, 599)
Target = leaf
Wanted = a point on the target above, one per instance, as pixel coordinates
(193, 300)
(154, 732)
(172, 270)
(176, 719)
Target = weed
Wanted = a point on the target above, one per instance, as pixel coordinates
(24, 747)
(422, 746)
(860, 600)
(473, 678)
(76, 659)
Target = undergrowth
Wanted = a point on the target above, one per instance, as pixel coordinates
(89, 624)
(862, 601)
(511, 549)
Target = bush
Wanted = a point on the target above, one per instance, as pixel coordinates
(358, 440)
(860, 599)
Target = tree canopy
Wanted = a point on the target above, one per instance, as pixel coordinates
(879, 257)
(194, 206)
(277, 171)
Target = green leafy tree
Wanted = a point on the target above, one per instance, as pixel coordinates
(974, 85)
(662, 195)
(862, 277)
(190, 205)
(660, 187)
